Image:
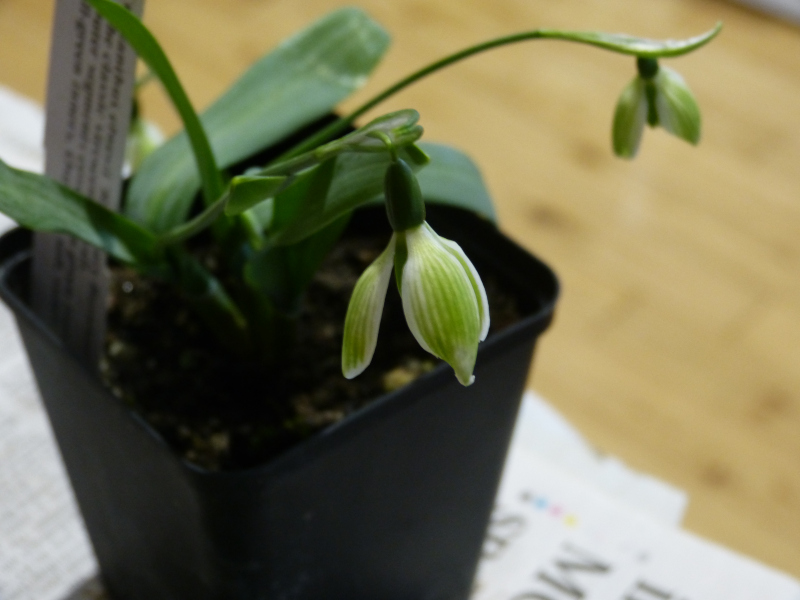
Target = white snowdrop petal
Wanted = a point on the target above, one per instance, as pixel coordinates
(629, 119)
(363, 318)
(677, 108)
(475, 280)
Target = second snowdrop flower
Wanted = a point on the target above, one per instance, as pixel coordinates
(660, 97)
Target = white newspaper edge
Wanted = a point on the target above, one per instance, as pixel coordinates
(555, 536)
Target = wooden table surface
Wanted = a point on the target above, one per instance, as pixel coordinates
(677, 341)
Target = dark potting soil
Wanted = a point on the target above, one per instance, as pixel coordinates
(223, 413)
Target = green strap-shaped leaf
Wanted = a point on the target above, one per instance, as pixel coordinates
(297, 83)
(149, 50)
(337, 187)
(209, 299)
(282, 273)
(333, 189)
(39, 203)
(247, 191)
(452, 178)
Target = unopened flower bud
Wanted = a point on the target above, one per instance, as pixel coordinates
(399, 127)
(405, 207)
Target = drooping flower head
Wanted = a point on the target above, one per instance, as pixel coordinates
(444, 300)
(657, 96)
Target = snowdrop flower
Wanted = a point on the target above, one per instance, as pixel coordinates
(659, 96)
(444, 300)
(144, 138)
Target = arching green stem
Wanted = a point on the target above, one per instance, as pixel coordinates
(622, 44)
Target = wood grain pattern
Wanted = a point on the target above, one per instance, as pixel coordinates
(677, 343)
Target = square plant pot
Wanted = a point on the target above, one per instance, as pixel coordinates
(392, 502)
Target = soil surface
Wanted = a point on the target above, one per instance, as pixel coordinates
(223, 413)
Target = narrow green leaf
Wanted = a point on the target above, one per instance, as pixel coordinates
(319, 197)
(304, 199)
(209, 299)
(247, 191)
(416, 155)
(283, 273)
(195, 225)
(149, 50)
(336, 187)
(294, 85)
(306, 257)
(39, 203)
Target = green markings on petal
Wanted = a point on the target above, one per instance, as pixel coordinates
(444, 302)
(475, 280)
(364, 314)
(440, 303)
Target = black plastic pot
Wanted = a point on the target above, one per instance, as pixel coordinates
(391, 503)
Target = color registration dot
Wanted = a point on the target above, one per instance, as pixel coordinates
(570, 520)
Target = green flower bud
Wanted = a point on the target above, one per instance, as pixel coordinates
(405, 207)
(399, 128)
(444, 302)
(659, 96)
